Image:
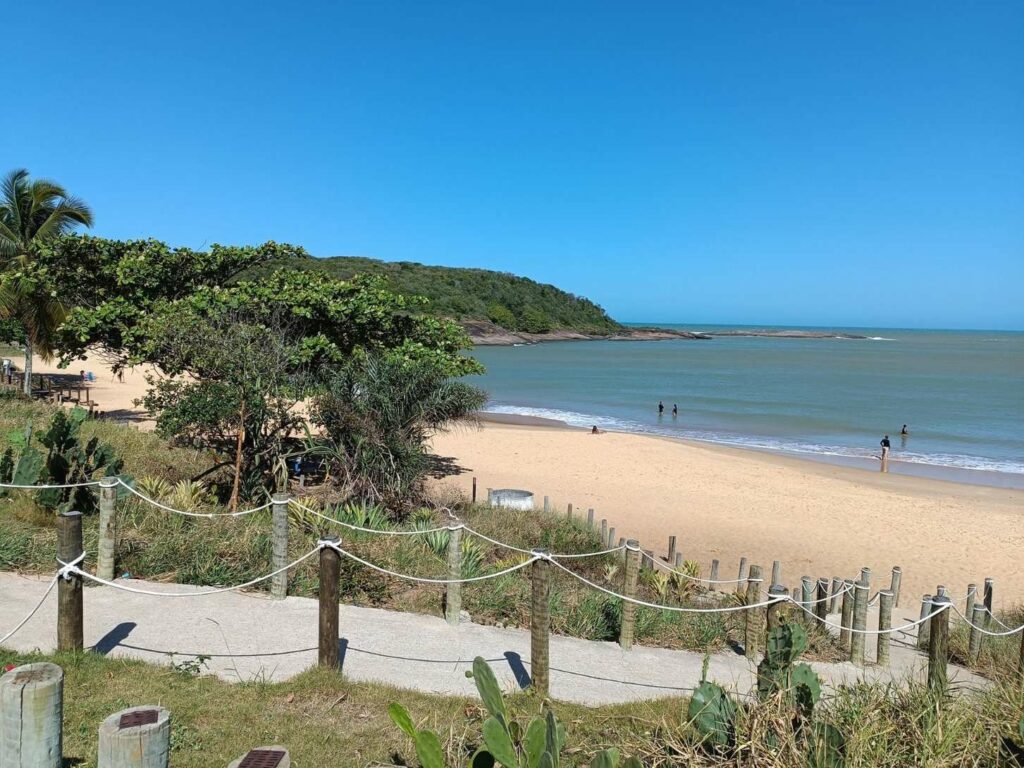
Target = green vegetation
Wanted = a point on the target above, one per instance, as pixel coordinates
(33, 213)
(514, 303)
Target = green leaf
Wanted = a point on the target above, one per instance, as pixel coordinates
(533, 742)
(490, 691)
(547, 761)
(607, 758)
(400, 716)
(632, 762)
(498, 742)
(713, 714)
(428, 750)
(828, 747)
(482, 759)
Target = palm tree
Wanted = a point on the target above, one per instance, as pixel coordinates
(33, 212)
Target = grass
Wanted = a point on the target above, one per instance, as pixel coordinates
(326, 720)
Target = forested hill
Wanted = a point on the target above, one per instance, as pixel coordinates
(514, 303)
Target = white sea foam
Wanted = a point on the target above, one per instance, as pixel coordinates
(943, 460)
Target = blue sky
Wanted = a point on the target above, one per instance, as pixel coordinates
(760, 162)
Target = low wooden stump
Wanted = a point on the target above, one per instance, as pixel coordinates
(138, 737)
(31, 714)
(264, 757)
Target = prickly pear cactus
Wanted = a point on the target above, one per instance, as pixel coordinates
(827, 748)
(713, 714)
(806, 689)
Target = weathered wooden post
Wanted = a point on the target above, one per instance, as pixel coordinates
(622, 548)
(776, 572)
(821, 598)
(31, 715)
(860, 623)
(604, 530)
(834, 590)
(540, 622)
(846, 617)
(772, 612)
(139, 737)
(69, 588)
(107, 544)
(938, 643)
(806, 600)
(264, 757)
(547, 504)
(590, 518)
(742, 575)
(568, 511)
(923, 627)
(671, 550)
(989, 589)
(473, 496)
(894, 585)
(972, 595)
(279, 553)
(453, 589)
(977, 622)
(865, 577)
(628, 622)
(679, 561)
(749, 617)
(330, 571)
(610, 542)
(647, 561)
(885, 601)
(714, 574)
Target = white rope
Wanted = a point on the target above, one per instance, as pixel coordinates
(31, 613)
(69, 568)
(588, 554)
(667, 567)
(423, 580)
(846, 588)
(676, 609)
(48, 487)
(498, 543)
(905, 627)
(381, 531)
(73, 568)
(209, 515)
(1009, 630)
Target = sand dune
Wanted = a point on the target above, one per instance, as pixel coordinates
(724, 503)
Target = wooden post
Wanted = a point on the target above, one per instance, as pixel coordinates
(610, 541)
(604, 530)
(330, 568)
(776, 572)
(490, 496)
(834, 590)
(69, 589)
(453, 589)
(547, 504)
(972, 595)
(894, 586)
(923, 628)
(742, 575)
(31, 714)
(139, 737)
(749, 617)
(590, 518)
(679, 561)
(279, 555)
(860, 622)
(622, 550)
(473, 496)
(846, 620)
(107, 544)
(772, 612)
(714, 574)
(865, 577)
(647, 561)
(884, 466)
(273, 755)
(938, 644)
(978, 621)
(885, 601)
(628, 621)
(806, 600)
(821, 598)
(671, 550)
(989, 588)
(568, 512)
(540, 623)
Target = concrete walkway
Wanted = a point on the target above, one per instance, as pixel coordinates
(249, 636)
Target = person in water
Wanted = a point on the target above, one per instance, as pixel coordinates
(675, 410)
(885, 443)
(661, 408)
(904, 431)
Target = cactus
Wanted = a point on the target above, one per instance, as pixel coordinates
(505, 742)
(776, 672)
(828, 747)
(806, 686)
(713, 713)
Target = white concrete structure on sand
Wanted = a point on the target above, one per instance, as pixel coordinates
(250, 636)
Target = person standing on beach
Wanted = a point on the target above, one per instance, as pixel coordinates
(886, 445)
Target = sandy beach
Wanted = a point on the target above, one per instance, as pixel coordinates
(726, 503)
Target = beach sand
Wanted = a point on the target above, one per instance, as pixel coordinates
(726, 503)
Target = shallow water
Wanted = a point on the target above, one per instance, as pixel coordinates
(961, 393)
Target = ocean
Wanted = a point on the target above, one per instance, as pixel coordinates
(961, 394)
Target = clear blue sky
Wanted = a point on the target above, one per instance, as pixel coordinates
(750, 162)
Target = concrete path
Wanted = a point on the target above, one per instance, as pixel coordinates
(250, 636)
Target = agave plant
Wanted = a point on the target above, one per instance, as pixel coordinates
(188, 496)
(156, 488)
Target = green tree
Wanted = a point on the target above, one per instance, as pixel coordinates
(535, 321)
(501, 315)
(33, 212)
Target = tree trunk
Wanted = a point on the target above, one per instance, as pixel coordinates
(233, 504)
(27, 384)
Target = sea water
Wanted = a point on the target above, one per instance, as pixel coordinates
(960, 393)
